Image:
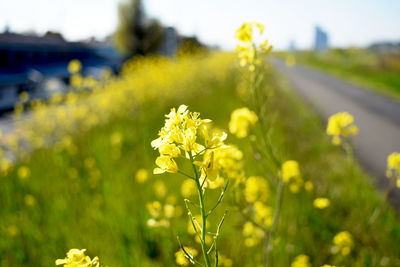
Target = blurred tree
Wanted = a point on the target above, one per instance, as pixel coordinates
(135, 33)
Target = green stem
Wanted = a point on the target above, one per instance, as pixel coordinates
(203, 214)
(271, 236)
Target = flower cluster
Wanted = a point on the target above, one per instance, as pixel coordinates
(321, 203)
(160, 214)
(249, 51)
(343, 243)
(340, 127)
(241, 120)
(77, 258)
(301, 261)
(393, 167)
(291, 175)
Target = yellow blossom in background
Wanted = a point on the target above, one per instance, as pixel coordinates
(23, 97)
(169, 211)
(188, 188)
(142, 175)
(256, 189)
(291, 175)
(223, 261)
(321, 203)
(74, 66)
(182, 259)
(263, 214)
(341, 126)
(116, 139)
(301, 261)
(393, 167)
(252, 234)
(154, 209)
(241, 120)
(23, 172)
(343, 243)
(77, 258)
(29, 200)
(160, 189)
(308, 185)
(290, 60)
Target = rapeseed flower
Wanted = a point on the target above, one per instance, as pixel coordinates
(291, 175)
(321, 203)
(74, 66)
(142, 175)
(340, 127)
(252, 234)
(393, 167)
(23, 172)
(241, 120)
(343, 243)
(184, 259)
(256, 189)
(301, 261)
(77, 258)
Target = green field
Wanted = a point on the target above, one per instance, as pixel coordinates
(82, 191)
(379, 72)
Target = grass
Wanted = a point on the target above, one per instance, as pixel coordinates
(88, 197)
(376, 72)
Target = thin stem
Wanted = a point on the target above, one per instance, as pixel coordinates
(271, 236)
(203, 214)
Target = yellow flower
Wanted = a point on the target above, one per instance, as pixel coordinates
(301, 261)
(223, 261)
(393, 167)
(341, 125)
(182, 259)
(169, 211)
(160, 189)
(245, 33)
(256, 189)
(263, 214)
(290, 169)
(77, 258)
(170, 150)
(241, 119)
(23, 172)
(321, 203)
(74, 66)
(165, 164)
(142, 175)
(308, 186)
(188, 188)
(343, 242)
(154, 208)
(265, 47)
(253, 235)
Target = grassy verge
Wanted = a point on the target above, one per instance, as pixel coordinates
(86, 196)
(376, 72)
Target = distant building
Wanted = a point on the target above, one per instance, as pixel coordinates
(321, 40)
(292, 46)
(169, 46)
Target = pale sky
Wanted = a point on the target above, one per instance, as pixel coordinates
(348, 22)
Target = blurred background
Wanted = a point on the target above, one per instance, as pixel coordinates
(39, 39)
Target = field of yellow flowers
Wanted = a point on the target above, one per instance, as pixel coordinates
(241, 173)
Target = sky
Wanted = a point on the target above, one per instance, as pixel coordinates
(348, 22)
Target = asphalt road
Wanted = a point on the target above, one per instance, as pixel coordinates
(377, 117)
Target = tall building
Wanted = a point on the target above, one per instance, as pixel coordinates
(321, 39)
